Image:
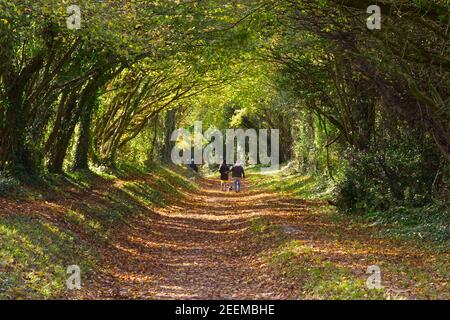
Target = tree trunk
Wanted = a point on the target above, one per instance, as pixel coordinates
(170, 126)
(84, 140)
(63, 137)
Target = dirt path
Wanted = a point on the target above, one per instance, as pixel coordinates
(199, 247)
(196, 248)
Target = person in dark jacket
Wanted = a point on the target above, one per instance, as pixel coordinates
(238, 173)
(193, 166)
(224, 176)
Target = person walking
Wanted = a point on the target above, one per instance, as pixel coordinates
(224, 176)
(193, 166)
(238, 173)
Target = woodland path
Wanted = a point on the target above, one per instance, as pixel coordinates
(199, 246)
(195, 248)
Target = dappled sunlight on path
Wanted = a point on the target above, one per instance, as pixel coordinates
(196, 247)
(199, 246)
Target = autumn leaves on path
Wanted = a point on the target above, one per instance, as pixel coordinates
(197, 247)
(208, 244)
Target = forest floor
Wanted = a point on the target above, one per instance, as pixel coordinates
(201, 243)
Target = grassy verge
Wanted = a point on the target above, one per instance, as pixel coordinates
(316, 276)
(320, 278)
(329, 258)
(263, 229)
(61, 220)
(292, 184)
(34, 256)
(429, 223)
(426, 224)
